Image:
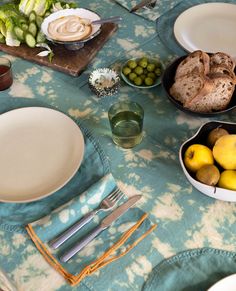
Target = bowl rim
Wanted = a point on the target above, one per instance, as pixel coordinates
(158, 80)
(70, 11)
(179, 105)
(211, 191)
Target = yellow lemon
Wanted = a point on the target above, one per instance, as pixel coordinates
(228, 180)
(224, 151)
(197, 156)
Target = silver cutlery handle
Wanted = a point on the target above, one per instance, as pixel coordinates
(81, 244)
(58, 241)
(107, 20)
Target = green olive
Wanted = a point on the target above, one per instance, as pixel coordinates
(151, 67)
(138, 70)
(149, 81)
(126, 71)
(132, 76)
(158, 72)
(132, 64)
(152, 75)
(144, 59)
(145, 71)
(143, 63)
(138, 81)
(143, 76)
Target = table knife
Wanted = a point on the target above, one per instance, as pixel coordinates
(106, 222)
(140, 5)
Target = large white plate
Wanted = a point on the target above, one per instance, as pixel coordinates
(40, 151)
(226, 284)
(209, 27)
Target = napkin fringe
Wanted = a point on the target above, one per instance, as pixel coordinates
(99, 263)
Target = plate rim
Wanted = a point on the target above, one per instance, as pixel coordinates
(178, 36)
(223, 280)
(65, 181)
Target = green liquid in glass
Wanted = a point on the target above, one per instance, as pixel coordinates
(127, 129)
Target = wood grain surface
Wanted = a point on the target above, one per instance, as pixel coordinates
(64, 60)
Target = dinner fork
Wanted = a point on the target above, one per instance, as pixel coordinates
(106, 204)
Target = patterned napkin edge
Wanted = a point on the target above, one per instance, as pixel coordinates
(106, 258)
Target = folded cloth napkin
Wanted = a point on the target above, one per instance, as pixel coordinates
(194, 270)
(110, 245)
(150, 14)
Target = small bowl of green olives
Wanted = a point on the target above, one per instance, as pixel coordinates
(142, 72)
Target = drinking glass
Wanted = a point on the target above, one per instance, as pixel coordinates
(126, 121)
(6, 78)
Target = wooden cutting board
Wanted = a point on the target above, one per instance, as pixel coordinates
(64, 60)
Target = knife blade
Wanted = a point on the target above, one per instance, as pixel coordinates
(140, 5)
(106, 222)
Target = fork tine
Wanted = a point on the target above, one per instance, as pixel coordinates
(120, 195)
(116, 196)
(113, 193)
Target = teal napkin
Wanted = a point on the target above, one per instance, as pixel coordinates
(150, 14)
(195, 270)
(113, 243)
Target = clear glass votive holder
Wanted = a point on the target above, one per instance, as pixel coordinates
(6, 77)
(126, 121)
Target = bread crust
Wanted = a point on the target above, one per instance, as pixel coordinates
(220, 58)
(215, 96)
(196, 62)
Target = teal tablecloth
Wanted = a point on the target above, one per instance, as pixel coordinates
(186, 218)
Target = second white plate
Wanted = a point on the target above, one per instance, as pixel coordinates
(226, 284)
(209, 27)
(40, 151)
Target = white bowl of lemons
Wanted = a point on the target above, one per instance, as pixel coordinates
(208, 160)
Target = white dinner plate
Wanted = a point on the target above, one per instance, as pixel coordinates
(226, 284)
(40, 151)
(209, 27)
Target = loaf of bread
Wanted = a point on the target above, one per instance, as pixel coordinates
(204, 82)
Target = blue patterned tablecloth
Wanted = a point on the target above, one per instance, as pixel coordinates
(186, 218)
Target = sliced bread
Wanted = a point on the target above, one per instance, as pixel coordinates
(222, 59)
(196, 62)
(217, 98)
(223, 70)
(187, 87)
